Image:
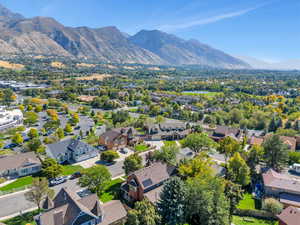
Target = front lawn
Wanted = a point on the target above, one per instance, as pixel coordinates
(141, 148)
(248, 202)
(111, 191)
(70, 169)
(237, 220)
(25, 219)
(18, 184)
(169, 143)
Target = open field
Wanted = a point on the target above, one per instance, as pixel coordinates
(58, 65)
(85, 65)
(94, 76)
(8, 65)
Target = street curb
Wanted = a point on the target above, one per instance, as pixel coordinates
(17, 214)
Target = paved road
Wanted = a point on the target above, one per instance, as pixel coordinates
(17, 202)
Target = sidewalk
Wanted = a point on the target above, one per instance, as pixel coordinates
(17, 214)
(7, 182)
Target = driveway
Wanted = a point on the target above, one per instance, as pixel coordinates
(16, 202)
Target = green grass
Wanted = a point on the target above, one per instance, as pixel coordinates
(251, 221)
(18, 184)
(168, 143)
(111, 191)
(25, 219)
(248, 202)
(141, 148)
(70, 169)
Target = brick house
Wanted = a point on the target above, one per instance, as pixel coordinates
(117, 138)
(147, 182)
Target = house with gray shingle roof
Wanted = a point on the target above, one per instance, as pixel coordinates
(68, 208)
(71, 151)
(147, 182)
(19, 165)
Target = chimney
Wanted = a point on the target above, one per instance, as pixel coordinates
(58, 218)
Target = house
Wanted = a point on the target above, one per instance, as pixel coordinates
(118, 138)
(291, 142)
(146, 182)
(19, 165)
(167, 131)
(282, 186)
(86, 98)
(71, 151)
(289, 216)
(67, 208)
(223, 131)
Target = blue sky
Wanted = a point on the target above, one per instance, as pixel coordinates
(265, 29)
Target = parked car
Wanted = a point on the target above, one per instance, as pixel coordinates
(101, 147)
(124, 150)
(77, 128)
(57, 181)
(75, 175)
(11, 145)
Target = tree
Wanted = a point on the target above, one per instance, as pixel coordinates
(273, 206)
(294, 157)
(234, 194)
(198, 142)
(60, 133)
(109, 156)
(35, 145)
(167, 154)
(75, 118)
(17, 139)
(159, 119)
(68, 128)
(31, 118)
(206, 203)
(33, 133)
(95, 178)
(237, 170)
(255, 155)
(39, 191)
(275, 153)
(228, 146)
(119, 117)
(172, 202)
(144, 213)
(51, 169)
(132, 163)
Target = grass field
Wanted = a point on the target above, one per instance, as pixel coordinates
(9, 65)
(141, 148)
(111, 191)
(17, 184)
(25, 219)
(70, 169)
(251, 221)
(247, 202)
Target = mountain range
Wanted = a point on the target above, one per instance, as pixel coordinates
(46, 36)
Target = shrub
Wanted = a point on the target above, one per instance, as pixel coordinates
(109, 156)
(273, 206)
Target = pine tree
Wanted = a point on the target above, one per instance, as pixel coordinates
(172, 202)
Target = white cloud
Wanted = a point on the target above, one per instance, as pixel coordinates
(208, 20)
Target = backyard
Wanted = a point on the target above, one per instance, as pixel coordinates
(251, 221)
(111, 190)
(248, 202)
(141, 148)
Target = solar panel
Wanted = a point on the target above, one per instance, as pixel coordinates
(147, 182)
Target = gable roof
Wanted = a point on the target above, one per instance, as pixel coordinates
(61, 147)
(153, 175)
(280, 181)
(290, 216)
(68, 207)
(224, 130)
(21, 160)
